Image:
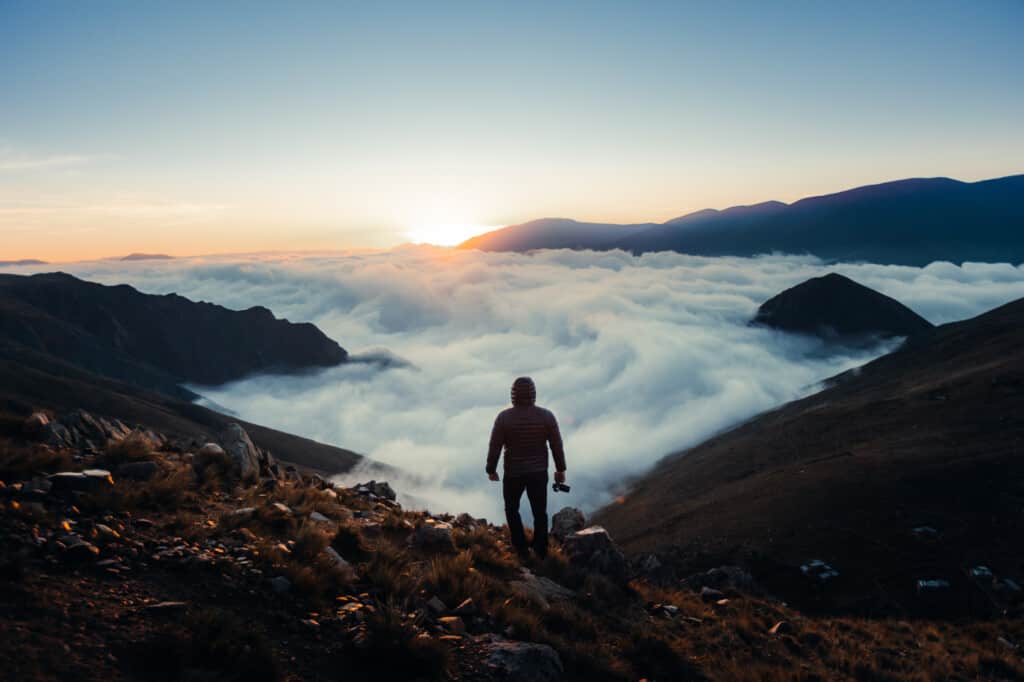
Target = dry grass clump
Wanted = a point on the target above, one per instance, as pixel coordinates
(20, 460)
(392, 649)
(135, 448)
(173, 488)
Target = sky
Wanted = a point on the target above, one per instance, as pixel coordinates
(636, 356)
(197, 127)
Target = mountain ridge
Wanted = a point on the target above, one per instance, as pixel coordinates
(912, 221)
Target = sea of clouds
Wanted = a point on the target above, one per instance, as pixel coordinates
(637, 356)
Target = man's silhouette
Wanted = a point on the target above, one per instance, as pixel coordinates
(524, 431)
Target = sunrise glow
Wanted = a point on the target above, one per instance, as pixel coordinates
(445, 234)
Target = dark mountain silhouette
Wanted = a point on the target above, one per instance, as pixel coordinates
(147, 256)
(836, 307)
(553, 233)
(906, 469)
(154, 342)
(911, 222)
(24, 261)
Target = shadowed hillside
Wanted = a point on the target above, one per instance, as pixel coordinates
(906, 469)
(155, 342)
(153, 557)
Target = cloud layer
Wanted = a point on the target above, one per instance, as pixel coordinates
(637, 356)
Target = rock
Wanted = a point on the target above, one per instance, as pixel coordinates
(35, 425)
(436, 606)
(512, 661)
(36, 488)
(781, 628)
(378, 488)
(466, 608)
(280, 584)
(90, 480)
(592, 549)
(567, 521)
(77, 550)
(317, 517)
(137, 471)
(242, 513)
(723, 577)
(281, 508)
(211, 457)
(540, 589)
(240, 448)
(711, 594)
(433, 534)
(453, 624)
(166, 607)
(337, 562)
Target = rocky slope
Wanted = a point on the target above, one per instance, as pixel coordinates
(911, 222)
(156, 342)
(902, 481)
(835, 307)
(131, 554)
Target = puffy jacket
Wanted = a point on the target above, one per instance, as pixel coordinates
(524, 432)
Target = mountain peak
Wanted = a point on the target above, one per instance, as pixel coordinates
(836, 307)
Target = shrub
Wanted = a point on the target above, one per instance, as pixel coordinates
(135, 448)
(392, 650)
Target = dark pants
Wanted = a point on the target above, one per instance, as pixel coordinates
(536, 487)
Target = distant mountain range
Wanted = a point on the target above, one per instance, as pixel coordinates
(24, 261)
(154, 342)
(909, 222)
(147, 256)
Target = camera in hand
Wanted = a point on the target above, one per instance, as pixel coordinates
(559, 487)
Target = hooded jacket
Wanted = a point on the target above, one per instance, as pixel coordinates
(524, 432)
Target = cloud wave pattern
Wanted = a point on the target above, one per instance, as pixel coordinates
(637, 356)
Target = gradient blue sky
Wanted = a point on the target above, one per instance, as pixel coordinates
(238, 126)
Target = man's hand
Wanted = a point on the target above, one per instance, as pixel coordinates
(559, 477)
(493, 475)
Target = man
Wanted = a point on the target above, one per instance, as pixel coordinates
(524, 431)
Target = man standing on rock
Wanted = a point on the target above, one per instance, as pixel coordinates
(524, 431)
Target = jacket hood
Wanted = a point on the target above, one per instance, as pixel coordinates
(524, 392)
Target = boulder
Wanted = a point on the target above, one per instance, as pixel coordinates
(540, 589)
(513, 661)
(137, 471)
(211, 457)
(280, 584)
(379, 488)
(592, 549)
(338, 563)
(90, 480)
(567, 521)
(240, 449)
(433, 534)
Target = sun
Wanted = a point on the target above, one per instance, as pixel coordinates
(444, 233)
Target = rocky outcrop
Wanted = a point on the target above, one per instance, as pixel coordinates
(243, 453)
(512, 661)
(592, 549)
(567, 521)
